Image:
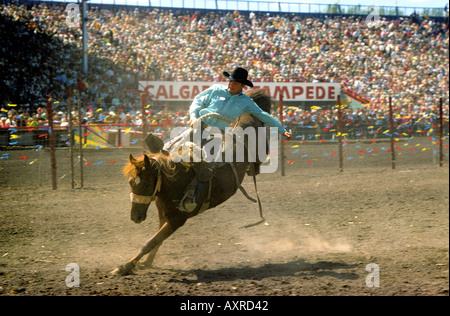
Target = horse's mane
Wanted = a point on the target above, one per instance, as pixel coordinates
(168, 167)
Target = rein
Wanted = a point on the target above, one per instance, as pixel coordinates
(142, 199)
(263, 220)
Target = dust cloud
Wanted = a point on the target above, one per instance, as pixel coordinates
(298, 245)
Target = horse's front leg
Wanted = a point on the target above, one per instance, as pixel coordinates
(152, 244)
(151, 256)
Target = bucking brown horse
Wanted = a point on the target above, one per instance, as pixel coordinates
(156, 177)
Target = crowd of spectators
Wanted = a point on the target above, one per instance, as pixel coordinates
(22, 119)
(313, 124)
(402, 57)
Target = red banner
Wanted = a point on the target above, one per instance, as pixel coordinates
(292, 91)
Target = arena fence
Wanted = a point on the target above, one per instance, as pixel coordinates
(304, 130)
(410, 136)
(92, 135)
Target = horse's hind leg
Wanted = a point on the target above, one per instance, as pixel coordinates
(147, 263)
(152, 244)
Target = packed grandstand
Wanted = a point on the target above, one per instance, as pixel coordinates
(403, 57)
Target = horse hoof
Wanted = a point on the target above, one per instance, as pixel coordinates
(143, 266)
(123, 270)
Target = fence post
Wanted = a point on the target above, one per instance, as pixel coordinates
(119, 136)
(281, 146)
(391, 124)
(441, 133)
(52, 140)
(144, 122)
(71, 138)
(341, 158)
(80, 130)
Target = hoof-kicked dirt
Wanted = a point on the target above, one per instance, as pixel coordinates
(327, 232)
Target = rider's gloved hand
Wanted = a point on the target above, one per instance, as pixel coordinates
(194, 122)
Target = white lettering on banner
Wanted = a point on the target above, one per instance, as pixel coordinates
(291, 91)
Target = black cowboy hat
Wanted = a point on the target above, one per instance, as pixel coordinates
(239, 75)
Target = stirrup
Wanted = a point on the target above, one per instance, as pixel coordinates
(187, 205)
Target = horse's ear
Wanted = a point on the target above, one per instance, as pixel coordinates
(132, 160)
(146, 162)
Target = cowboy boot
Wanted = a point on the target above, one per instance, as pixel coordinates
(187, 203)
(204, 172)
(192, 193)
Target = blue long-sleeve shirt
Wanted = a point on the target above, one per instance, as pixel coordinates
(217, 99)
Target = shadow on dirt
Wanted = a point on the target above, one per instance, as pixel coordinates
(298, 268)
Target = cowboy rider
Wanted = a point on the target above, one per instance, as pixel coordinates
(227, 101)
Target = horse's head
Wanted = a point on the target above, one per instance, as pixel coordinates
(145, 182)
(260, 97)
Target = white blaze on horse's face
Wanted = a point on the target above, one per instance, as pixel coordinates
(140, 203)
(134, 181)
(137, 189)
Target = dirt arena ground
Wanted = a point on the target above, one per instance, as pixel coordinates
(325, 229)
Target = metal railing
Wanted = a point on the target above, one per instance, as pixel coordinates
(302, 129)
(271, 6)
